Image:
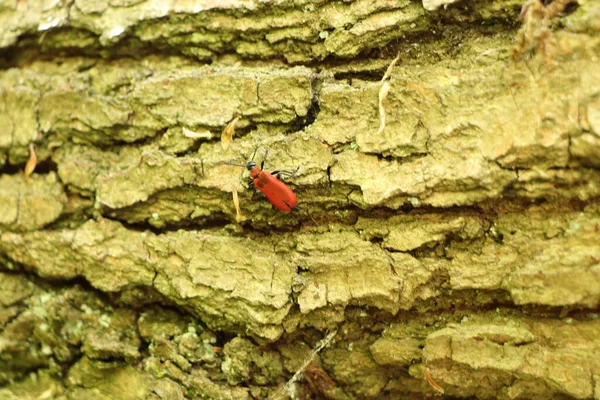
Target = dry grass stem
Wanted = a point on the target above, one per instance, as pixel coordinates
(236, 202)
(432, 382)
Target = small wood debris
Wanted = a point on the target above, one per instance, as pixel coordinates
(432, 5)
(31, 163)
(196, 135)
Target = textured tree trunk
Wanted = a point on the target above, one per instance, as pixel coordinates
(448, 232)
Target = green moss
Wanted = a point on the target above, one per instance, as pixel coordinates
(244, 362)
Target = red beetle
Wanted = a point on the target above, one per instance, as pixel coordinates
(277, 192)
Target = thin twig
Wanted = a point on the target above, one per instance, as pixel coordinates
(287, 389)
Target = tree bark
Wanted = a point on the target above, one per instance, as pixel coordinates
(448, 231)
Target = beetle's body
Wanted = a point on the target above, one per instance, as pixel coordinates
(277, 192)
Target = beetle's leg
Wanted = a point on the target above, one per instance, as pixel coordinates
(292, 174)
(292, 208)
(252, 189)
(280, 172)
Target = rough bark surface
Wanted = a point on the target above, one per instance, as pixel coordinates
(461, 244)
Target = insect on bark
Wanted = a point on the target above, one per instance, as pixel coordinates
(277, 192)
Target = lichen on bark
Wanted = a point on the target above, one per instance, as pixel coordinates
(458, 246)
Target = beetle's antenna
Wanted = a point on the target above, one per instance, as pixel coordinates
(232, 163)
(262, 164)
(254, 153)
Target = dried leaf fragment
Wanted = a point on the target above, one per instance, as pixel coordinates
(31, 163)
(236, 202)
(196, 135)
(383, 92)
(227, 135)
(388, 71)
(432, 382)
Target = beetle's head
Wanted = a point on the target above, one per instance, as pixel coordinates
(250, 165)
